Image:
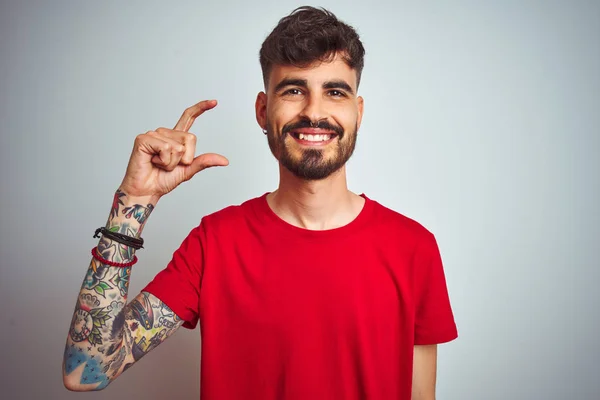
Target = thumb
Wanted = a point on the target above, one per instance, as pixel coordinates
(204, 161)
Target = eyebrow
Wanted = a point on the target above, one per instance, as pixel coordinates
(338, 85)
(291, 82)
(303, 83)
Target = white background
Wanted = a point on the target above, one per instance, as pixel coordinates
(481, 122)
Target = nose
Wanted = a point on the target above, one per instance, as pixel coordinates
(314, 109)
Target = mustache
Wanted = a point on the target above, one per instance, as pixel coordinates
(307, 123)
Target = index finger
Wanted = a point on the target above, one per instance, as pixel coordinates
(190, 114)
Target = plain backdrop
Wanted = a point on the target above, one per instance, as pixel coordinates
(481, 122)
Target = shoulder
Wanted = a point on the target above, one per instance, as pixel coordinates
(399, 225)
(397, 231)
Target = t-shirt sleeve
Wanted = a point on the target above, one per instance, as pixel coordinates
(434, 320)
(178, 285)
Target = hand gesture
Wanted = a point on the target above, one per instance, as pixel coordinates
(164, 158)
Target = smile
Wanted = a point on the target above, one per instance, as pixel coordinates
(313, 139)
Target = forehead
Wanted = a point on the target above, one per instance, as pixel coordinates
(316, 73)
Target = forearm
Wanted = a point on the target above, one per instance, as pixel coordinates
(424, 372)
(91, 358)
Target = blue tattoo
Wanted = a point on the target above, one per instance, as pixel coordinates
(92, 372)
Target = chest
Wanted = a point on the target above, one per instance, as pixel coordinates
(341, 284)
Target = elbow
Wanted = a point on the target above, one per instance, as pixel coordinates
(73, 384)
(80, 373)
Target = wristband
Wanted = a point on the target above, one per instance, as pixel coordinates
(98, 257)
(120, 238)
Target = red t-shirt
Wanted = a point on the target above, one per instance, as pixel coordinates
(290, 313)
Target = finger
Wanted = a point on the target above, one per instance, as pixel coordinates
(178, 150)
(190, 149)
(156, 147)
(166, 152)
(175, 159)
(189, 115)
(204, 161)
(188, 140)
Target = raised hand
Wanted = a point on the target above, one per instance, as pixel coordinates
(164, 158)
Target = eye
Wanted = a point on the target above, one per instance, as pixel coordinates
(292, 92)
(337, 93)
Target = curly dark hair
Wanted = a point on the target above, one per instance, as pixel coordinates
(310, 34)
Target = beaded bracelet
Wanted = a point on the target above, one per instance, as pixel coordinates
(98, 257)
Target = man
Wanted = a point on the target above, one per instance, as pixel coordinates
(308, 292)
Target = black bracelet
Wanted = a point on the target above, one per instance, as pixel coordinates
(119, 237)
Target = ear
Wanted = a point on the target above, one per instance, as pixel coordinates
(261, 110)
(360, 105)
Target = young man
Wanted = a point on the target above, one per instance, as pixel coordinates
(308, 292)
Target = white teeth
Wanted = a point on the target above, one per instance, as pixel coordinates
(314, 138)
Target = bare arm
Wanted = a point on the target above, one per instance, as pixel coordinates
(424, 372)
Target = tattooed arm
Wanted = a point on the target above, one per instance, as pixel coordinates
(107, 335)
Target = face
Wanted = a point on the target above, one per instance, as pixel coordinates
(311, 116)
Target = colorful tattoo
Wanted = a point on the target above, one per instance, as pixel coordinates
(114, 210)
(108, 250)
(88, 319)
(93, 370)
(126, 252)
(141, 311)
(108, 340)
(95, 279)
(120, 280)
(167, 317)
(139, 212)
(150, 323)
(107, 335)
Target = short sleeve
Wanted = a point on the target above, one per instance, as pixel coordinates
(434, 320)
(178, 285)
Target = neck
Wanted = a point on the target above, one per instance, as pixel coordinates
(315, 205)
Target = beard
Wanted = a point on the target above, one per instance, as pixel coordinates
(312, 164)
